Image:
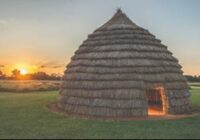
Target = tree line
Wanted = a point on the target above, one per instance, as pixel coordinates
(194, 78)
(44, 76)
(30, 76)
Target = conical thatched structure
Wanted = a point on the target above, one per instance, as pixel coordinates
(118, 71)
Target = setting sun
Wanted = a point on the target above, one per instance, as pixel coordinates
(23, 71)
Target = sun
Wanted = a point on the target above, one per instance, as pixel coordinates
(23, 71)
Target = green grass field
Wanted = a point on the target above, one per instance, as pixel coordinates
(25, 116)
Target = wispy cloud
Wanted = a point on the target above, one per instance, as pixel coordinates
(58, 66)
(43, 66)
(2, 66)
(50, 64)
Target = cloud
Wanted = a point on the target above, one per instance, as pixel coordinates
(2, 66)
(50, 64)
(43, 66)
(58, 66)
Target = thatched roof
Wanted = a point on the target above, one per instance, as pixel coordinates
(111, 70)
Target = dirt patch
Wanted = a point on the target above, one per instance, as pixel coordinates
(54, 108)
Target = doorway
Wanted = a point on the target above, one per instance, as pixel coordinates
(156, 101)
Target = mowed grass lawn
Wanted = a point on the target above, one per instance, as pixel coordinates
(25, 116)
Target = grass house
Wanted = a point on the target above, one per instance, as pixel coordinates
(123, 71)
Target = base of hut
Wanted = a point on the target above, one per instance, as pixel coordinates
(54, 108)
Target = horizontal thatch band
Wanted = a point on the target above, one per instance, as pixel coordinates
(176, 85)
(179, 102)
(105, 94)
(105, 36)
(122, 48)
(184, 109)
(136, 30)
(119, 84)
(123, 62)
(86, 50)
(126, 58)
(122, 41)
(90, 76)
(120, 93)
(121, 70)
(162, 77)
(102, 84)
(116, 58)
(125, 55)
(106, 103)
(121, 32)
(117, 26)
(102, 112)
(177, 93)
(133, 88)
(123, 37)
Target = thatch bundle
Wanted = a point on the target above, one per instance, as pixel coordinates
(111, 71)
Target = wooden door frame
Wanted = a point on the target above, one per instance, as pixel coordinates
(163, 97)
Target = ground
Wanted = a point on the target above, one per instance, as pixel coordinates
(25, 116)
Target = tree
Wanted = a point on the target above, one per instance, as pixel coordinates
(16, 73)
(2, 75)
(55, 76)
(191, 78)
(40, 76)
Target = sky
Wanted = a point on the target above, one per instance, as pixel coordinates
(42, 35)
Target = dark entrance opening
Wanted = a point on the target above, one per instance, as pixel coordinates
(156, 101)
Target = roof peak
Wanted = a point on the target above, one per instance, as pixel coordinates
(119, 11)
(119, 20)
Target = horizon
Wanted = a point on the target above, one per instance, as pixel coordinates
(41, 35)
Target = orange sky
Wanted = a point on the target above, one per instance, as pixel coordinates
(31, 68)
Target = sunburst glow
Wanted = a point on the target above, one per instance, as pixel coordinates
(23, 71)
